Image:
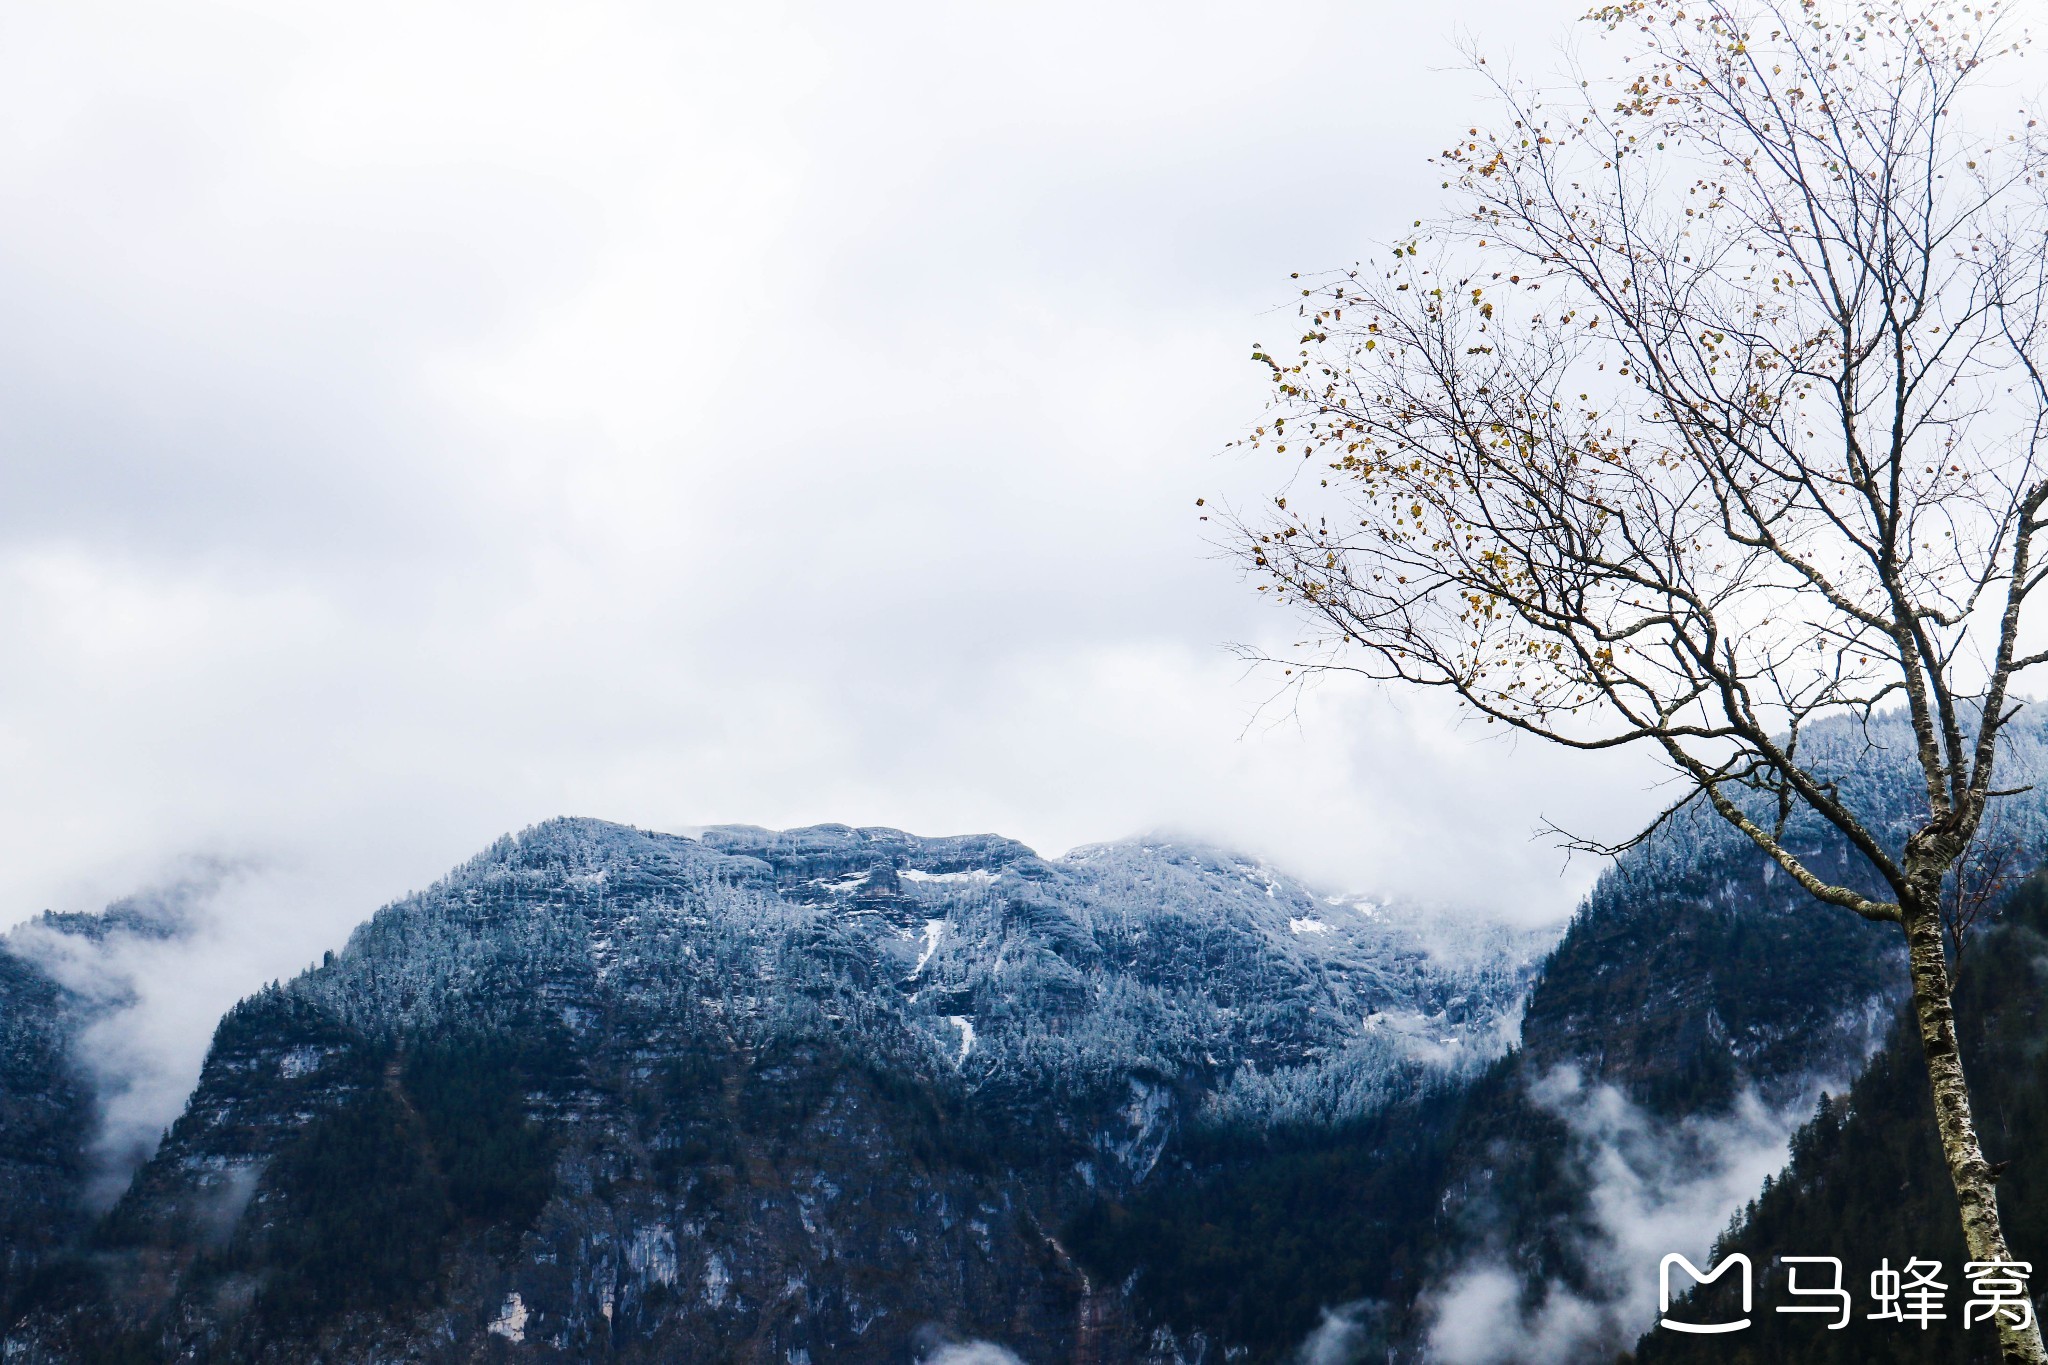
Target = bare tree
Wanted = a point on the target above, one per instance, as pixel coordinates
(1983, 877)
(1713, 412)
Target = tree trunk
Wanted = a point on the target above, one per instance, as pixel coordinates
(1976, 1190)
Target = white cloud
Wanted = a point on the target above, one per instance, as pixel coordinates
(1337, 1340)
(974, 1353)
(1657, 1186)
(427, 419)
(159, 991)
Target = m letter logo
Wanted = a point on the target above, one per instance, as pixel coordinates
(1664, 1291)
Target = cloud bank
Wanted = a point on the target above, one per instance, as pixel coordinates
(1656, 1187)
(428, 419)
(974, 1353)
(156, 975)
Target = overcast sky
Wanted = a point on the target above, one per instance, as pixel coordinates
(423, 420)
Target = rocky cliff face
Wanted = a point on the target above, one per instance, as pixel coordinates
(828, 1094)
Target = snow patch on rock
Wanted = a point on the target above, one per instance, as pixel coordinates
(934, 930)
(966, 1027)
(511, 1320)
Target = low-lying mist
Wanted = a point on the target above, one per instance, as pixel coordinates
(1655, 1186)
(158, 968)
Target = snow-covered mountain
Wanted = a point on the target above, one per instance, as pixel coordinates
(818, 1094)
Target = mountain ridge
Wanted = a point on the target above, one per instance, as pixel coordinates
(752, 1091)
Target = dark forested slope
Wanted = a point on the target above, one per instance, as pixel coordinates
(1867, 1182)
(45, 1123)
